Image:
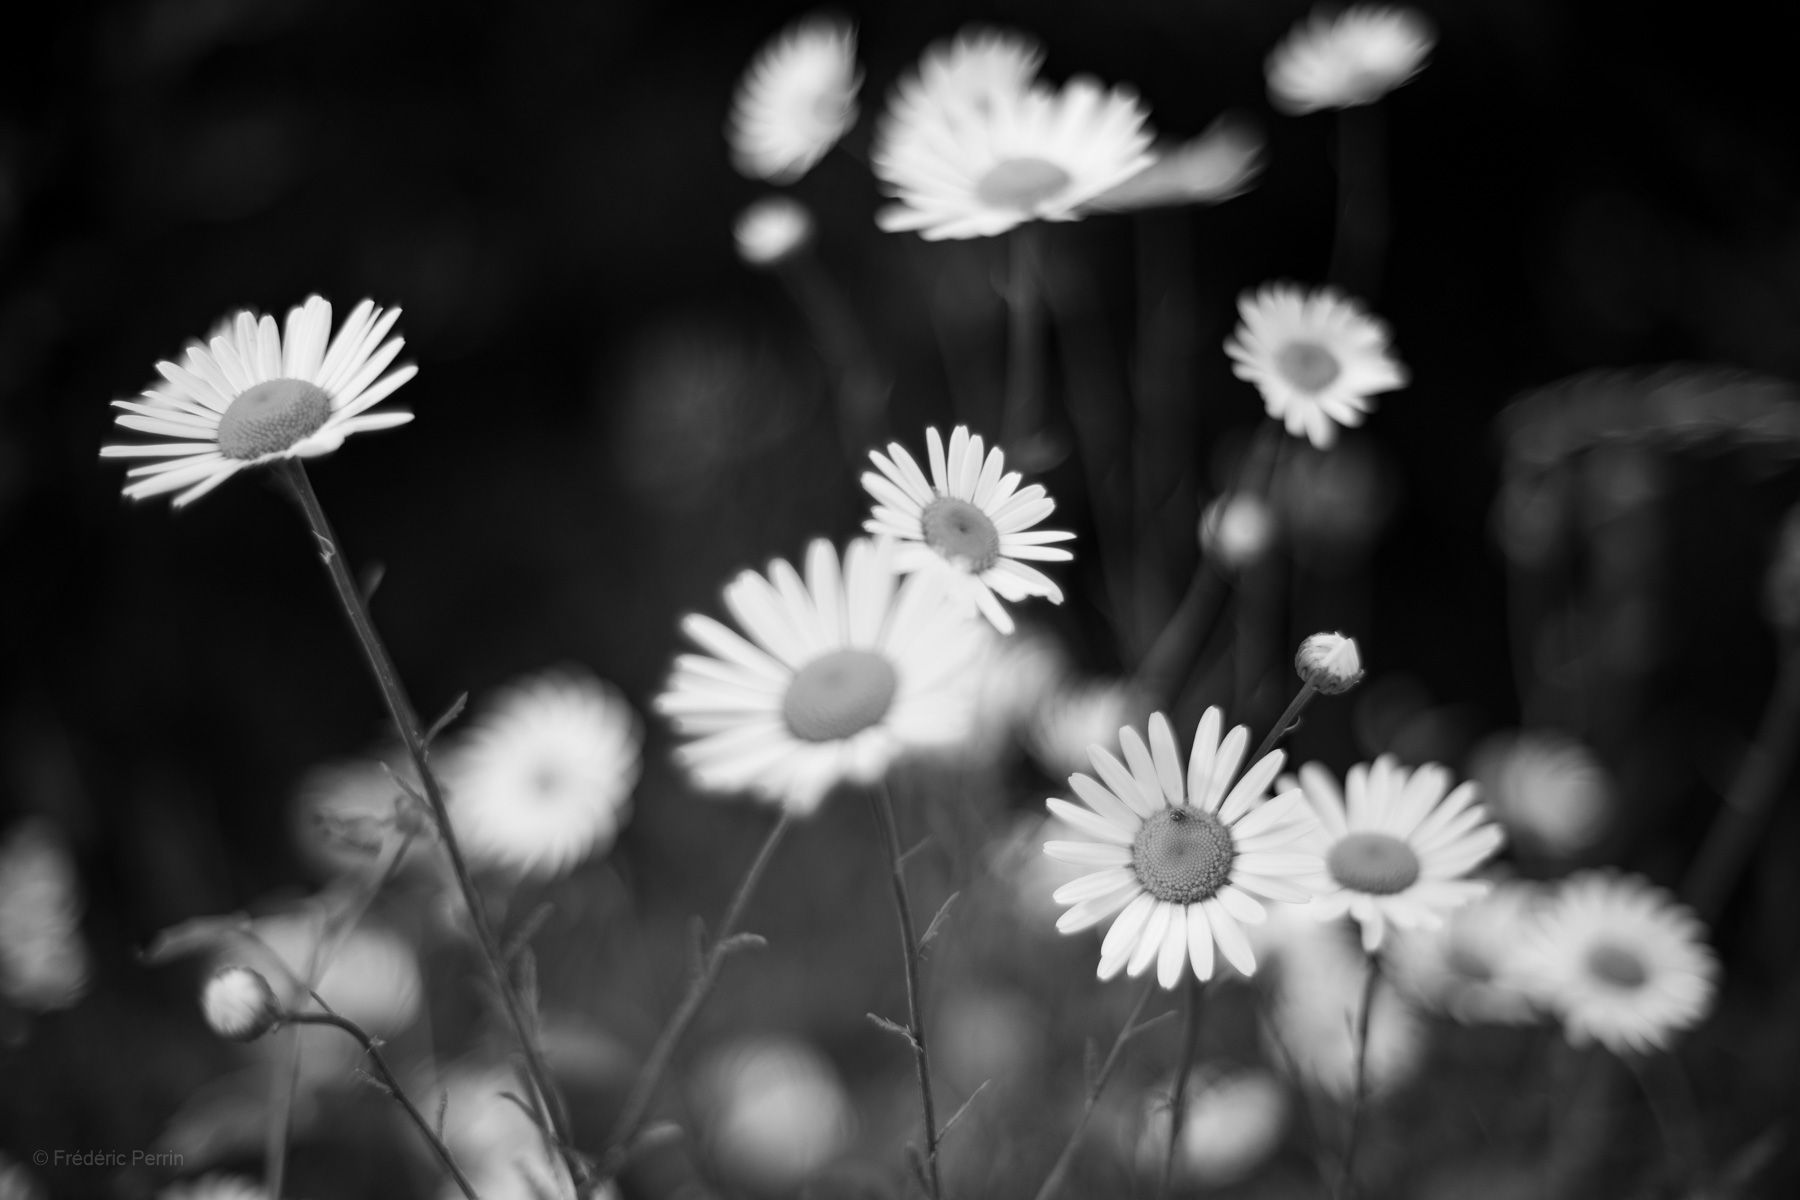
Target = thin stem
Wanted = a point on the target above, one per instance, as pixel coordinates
(1677, 1118)
(881, 801)
(1360, 1096)
(1190, 1042)
(1127, 1031)
(656, 1064)
(372, 1048)
(1288, 719)
(1360, 240)
(1024, 381)
(393, 692)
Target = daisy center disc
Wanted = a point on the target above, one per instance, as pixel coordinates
(1614, 964)
(1183, 855)
(1374, 863)
(838, 695)
(1021, 183)
(961, 533)
(270, 417)
(1309, 366)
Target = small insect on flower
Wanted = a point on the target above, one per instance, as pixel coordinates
(239, 1004)
(796, 99)
(1351, 58)
(970, 523)
(253, 396)
(1316, 357)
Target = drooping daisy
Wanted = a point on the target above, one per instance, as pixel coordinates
(1351, 58)
(253, 395)
(970, 147)
(841, 673)
(796, 99)
(1400, 851)
(1471, 968)
(1621, 962)
(971, 523)
(1185, 858)
(543, 778)
(1316, 357)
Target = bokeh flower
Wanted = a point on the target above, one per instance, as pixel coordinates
(1077, 714)
(369, 975)
(253, 396)
(970, 523)
(1353, 57)
(347, 816)
(1188, 858)
(1237, 530)
(795, 100)
(772, 230)
(1222, 162)
(1471, 967)
(492, 1138)
(1547, 789)
(1233, 1122)
(775, 1111)
(44, 962)
(239, 1004)
(1316, 357)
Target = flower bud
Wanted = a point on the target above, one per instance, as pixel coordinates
(1330, 662)
(239, 1004)
(771, 230)
(1236, 531)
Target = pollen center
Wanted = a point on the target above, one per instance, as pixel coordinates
(271, 417)
(1183, 855)
(961, 533)
(1616, 965)
(1309, 366)
(1374, 863)
(838, 695)
(1021, 184)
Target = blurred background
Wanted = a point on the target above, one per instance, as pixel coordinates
(614, 414)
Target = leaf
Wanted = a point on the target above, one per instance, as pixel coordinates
(528, 1110)
(449, 714)
(373, 1082)
(894, 1028)
(528, 929)
(937, 922)
(194, 936)
(743, 941)
(961, 1109)
(907, 856)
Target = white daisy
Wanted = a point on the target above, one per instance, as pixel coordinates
(543, 778)
(253, 395)
(1621, 962)
(841, 674)
(1550, 791)
(971, 523)
(1471, 967)
(1075, 714)
(971, 147)
(1399, 852)
(796, 99)
(1184, 857)
(1315, 357)
(1351, 58)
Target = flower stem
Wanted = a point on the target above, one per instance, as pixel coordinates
(1359, 1097)
(1127, 1031)
(1024, 378)
(656, 1064)
(1288, 719)
(393, 692)
(372, 1048)
(881, 801)
(1190, 1042)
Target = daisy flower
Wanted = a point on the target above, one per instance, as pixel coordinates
(972, 147)
(841, 673)
(1185, 857)
(1471, 968)
(1316, 358)
(970, 523)
(1398, 852)
(544, 777)
(1621, 962)
(796, 100)
(253, 395)
(1355, 57)
(1074, 714)
(1549, 791)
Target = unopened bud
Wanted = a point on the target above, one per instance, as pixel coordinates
(1236, 530)
(1330, 662)
(239, 1004)
(771, 230)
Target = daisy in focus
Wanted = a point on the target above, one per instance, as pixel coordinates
(1189, 858)
(970, 146)
(796, 99)
(970, 523)
(1316, 357)
(255, 394)
(543, 777)
(1350, 58)
(1621, 962)
(1397, 852)
(842, 672)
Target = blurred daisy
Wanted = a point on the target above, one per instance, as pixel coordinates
(1471, 967)
(1077, 714)
(370, 975)
(1316, 357)
(1232, 1124)
(1398, 852)
(796, 100)
(43, 960)
(1183, 856)
(775, 1111)
(842, 673)
(252, 396)
(971, 147)
(1350, 58)
(543, 777)
(970, 523)
(1621, 962)
(772, 230)
(215, 1187)
(347, 815)
(1222, 162)
(1315, 1010)
(493, 1139)
(1549, 791)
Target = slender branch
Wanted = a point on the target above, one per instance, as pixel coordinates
(1127, 1031)
(1190, 1041)
(372, 1048)
(393, 692)
(1290, 718)
(656, 1064)
(1360, 1096)
(1024, 374)
(881, 801)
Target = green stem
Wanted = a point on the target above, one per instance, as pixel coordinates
(1060, 1168)
(1024, 379)
(1360, 1096)
(1190, 1042)
(1288, 719)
